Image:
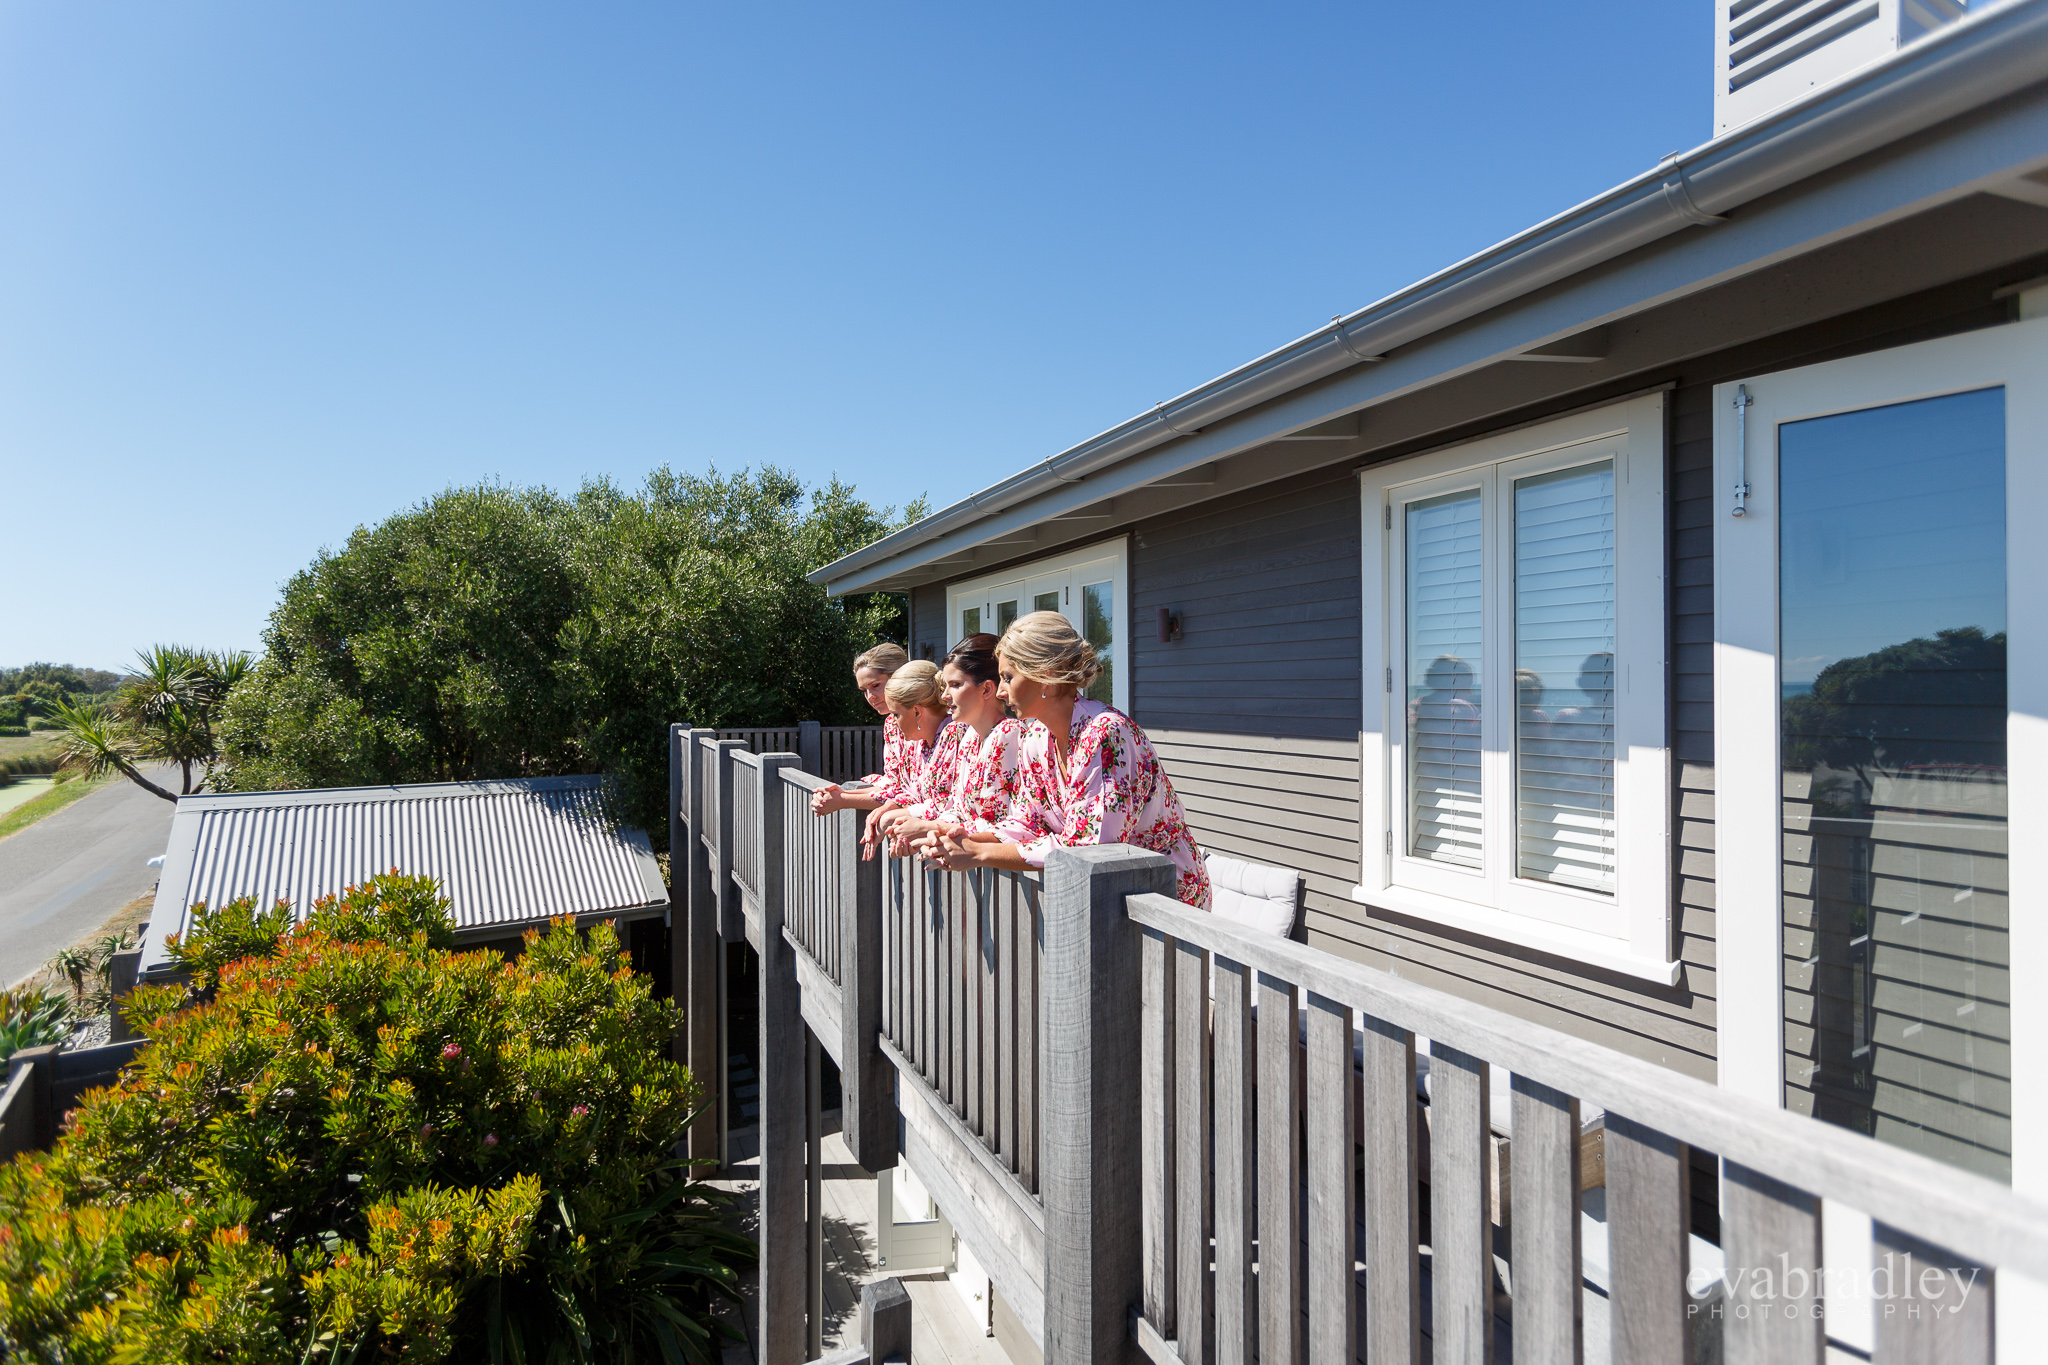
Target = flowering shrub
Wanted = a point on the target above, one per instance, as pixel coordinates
(367, 1146)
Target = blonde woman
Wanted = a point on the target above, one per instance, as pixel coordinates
(1088, 774)
(917, 704)
(973, 774)
(871, 674)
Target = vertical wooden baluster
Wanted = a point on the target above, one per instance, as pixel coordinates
(970, 922)
(1158, 961)
(1393, 1272)
(1460, 1230)
(958, 928)
(1953, 1325)
(1281, 1290)
(1332, 1137)
(1549, 1327)
(992, 962)
(1649, 1213)
(1235, 1308)
(1003, 899)
(1770, 1234)
(1030, 929)
(1192, 1171)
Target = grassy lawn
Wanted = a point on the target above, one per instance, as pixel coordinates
(23, 746)
(52, 801)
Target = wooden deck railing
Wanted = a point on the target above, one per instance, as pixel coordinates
(1164, 1134)
(837, 753)
(960, 964)
(746, 826)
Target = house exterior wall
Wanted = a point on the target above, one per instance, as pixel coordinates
(1255, 711)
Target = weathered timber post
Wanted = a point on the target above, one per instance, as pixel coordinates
(782, 1290)
(867, 1080)
(41, 1065)
(1089, 1059)
(732, 916)
(810, 746)
(885, 1321)
(699, 981)
(814, 1195)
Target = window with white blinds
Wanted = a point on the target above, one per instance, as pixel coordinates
(1564, 677)
(1445, 609)
(1515, 761)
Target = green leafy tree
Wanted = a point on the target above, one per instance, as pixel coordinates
(166, 712)
(498, 632)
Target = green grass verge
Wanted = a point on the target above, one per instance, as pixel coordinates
(52, 801)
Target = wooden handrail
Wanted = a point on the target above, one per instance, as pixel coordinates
(1961, 1211)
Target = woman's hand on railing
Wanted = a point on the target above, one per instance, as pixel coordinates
(876, 828)
(827, 799)
(958, 848)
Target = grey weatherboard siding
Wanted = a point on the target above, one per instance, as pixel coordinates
(1255, 711)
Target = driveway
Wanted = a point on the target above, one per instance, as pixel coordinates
(65, 875)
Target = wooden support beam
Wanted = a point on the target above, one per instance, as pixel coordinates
(781, 1288)
(814, 1198)
(1090, 1059)
(700, 975)
(867, 1080)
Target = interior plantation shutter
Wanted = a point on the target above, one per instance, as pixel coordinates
(1564, 677)
(1445, 614)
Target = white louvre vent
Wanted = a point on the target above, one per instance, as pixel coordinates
(1770, 52)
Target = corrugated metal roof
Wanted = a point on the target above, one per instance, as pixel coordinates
(507, 853)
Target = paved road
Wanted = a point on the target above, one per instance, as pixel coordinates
(62, 877)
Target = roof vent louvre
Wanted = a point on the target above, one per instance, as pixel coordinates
(1770, 52)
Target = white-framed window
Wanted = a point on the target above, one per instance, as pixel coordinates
(1881, 737)
(1089, 586)
(1514, 754)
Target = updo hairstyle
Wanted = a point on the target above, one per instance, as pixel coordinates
(885, 656)
(917, 683)
(975, 656)
(1044, 647)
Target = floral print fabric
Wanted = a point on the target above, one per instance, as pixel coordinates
(896, 761)
(906, 762)
(1112, 791)
(973, 783)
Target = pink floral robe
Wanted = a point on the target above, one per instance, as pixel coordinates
(1112, 792)
(974, 783)
(889, 784)
(906, 762)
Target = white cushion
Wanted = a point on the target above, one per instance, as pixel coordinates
(1253, 894)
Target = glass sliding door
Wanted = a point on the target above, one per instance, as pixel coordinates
(1892, 744)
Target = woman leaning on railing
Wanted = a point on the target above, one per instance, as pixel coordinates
(1087, 774)
(871, 673)
(973, 771)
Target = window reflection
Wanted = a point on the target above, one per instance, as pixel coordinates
(1098, 617)
(1892, 657)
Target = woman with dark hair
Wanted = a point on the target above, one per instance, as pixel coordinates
(972, 775)
(1086, 773)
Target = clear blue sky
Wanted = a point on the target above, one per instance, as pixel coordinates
(271, 271)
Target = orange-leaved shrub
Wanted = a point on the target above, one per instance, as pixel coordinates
(350, 1142)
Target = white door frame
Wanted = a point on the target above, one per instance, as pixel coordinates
(1747, 776)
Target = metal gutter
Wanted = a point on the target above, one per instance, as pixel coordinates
(1972, 62)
